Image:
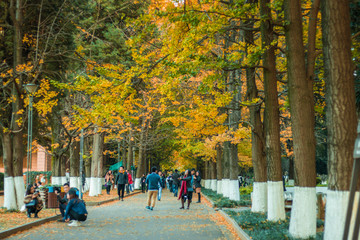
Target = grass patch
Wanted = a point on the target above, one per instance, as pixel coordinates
(258, 228)
(223, 202)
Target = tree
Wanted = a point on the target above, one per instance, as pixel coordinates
(341, 111)
(300, 82)
(276, 208)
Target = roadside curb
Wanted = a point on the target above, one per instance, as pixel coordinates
(27, 226)
(240, 232)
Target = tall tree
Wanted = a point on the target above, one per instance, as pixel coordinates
(276, 208)
(340, 113)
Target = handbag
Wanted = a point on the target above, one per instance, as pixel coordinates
(32, 203)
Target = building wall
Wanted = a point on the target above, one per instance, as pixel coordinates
(40, 161)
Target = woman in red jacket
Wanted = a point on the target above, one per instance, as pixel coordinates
(130, 181)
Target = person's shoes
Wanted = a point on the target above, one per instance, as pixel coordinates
(148, 208)
(151, 208)
(74, 224)
(36, 215)
(28, 215)
(61, 220)
(188, 208)
(198, 202)
(122, 199)
(182, 208)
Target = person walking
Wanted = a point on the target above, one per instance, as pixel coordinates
(197, 183)
(130, 181)
(121, 181)
(109, 181)
(75, 210)
(161, 184)
(152, 181)
(186, 190)
(143, 183)
(176, 182)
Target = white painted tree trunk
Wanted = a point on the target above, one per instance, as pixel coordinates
(206, 183)
(56, 180)
(225, 187)
(100, 183)
(63, 180)
(20, 190)
(74, 182)
(219, 187)
(234, 193)
(9, 193)
(303, 213)
(87, 184)
(259, 197)
(213, 184)
(137, 184)
(335, 214)
(202, 183)
(93, 191)
(276, 204)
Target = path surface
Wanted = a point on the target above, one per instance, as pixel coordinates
(130, 220)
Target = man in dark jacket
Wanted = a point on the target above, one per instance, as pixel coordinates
(176, 182)
(153, 181)
(63, 201)
(121, 181)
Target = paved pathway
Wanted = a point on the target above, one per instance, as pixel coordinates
(130, 220)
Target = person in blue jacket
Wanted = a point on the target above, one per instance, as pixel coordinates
(75, 210)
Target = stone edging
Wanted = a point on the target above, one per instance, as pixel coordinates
(241, 233)
(14, 230)
(27, 226)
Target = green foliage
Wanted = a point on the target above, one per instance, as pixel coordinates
(246, 190)
(259, 228)
(223, 202)
(318, 180)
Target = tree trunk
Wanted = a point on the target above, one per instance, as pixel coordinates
(74, 164)
(276, 208)
(130, 153)
(94, 164)
(219, 168)
(9, 185)
(259, 196)
(226, 169)
(340, 111)
(100, 162)
(303, 214)
(213, 182)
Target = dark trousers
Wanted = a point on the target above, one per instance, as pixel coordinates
(108, 187)
(62, 207)
(143, 187)
(75, 216)
(127, 189)
(121, 188)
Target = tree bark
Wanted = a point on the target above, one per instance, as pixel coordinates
(340, 112)
(219, 160)
(276, 208)
(303, 123)
(130, 152)
(75, 159)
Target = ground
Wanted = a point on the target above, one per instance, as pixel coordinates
(130, 220)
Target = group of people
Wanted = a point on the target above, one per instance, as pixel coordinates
(188, 182)
(122, 181)
(72, 209)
